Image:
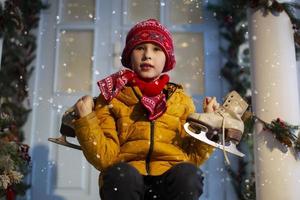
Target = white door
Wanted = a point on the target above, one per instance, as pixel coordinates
(74, 50)
(80, 42)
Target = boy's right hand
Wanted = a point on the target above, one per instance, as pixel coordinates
(210, 104)
(84, 106)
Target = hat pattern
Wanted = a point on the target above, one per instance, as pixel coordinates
(150, 31)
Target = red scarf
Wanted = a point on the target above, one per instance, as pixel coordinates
(153, 98)
(153, 88)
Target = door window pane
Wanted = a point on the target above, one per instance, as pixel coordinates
(139, 10)
(186, 11)
(77, 10)
(74, 70)
(189, 69)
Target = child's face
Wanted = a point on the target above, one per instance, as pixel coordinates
(148, 60)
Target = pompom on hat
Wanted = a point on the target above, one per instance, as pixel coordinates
(153, 32)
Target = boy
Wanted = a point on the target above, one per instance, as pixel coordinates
(134, 133)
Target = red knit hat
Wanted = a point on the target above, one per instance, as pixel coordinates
(150, 31)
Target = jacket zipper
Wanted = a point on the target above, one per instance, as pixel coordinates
(148, 158)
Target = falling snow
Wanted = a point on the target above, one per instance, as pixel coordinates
(195, 76)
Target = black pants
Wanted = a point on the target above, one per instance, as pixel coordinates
(123, 182)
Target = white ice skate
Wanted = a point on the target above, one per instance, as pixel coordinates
(228, 146)
(66, 130)
(62, 140)
(222, 128)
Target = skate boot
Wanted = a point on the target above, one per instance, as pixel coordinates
(223, 128)
(67, 129)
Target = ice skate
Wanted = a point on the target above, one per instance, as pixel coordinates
(223, 128)
(66, 130)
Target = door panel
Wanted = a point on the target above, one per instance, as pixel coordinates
(189, 48)
(74, 61)
(77, 10)
(137, 10)
(185, 12)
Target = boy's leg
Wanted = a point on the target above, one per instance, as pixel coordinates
(183, 182)
(122, 182)
(154, 188)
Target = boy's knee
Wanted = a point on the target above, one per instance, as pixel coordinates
(121, 179)
(188, 173)
(122, 172)
(185, 181)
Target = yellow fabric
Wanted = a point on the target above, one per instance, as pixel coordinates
(119, 131)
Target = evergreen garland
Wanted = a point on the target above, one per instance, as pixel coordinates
(18, 18)
(231, 15)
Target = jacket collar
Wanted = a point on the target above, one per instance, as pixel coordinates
(170, 88)
(128, 95)
(131, 95)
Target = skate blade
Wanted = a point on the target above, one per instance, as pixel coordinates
(63, 141)
(231, 148)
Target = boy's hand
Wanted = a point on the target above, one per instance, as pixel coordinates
(210, 104)
(84, 106)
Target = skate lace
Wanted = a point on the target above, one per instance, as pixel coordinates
(223, 140)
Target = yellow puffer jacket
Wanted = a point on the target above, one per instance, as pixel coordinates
(119, 131)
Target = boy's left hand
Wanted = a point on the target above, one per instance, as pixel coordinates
(210, 104)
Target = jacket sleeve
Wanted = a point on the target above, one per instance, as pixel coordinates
(98, 136)
(198, 152)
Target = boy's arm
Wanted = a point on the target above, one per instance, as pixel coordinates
(98, 136)
(197, 151)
